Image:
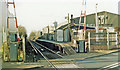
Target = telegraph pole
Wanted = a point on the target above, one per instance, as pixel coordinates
(68, 21)
(69, 25)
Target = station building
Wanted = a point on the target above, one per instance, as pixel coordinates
(107, 21)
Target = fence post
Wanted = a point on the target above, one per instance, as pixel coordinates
(89, 40)
(116, 40)
(108, 44)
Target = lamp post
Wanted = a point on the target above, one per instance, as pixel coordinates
(97, 26)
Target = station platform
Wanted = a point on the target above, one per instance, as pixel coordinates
(67, 46)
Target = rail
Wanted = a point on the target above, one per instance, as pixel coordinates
(33, 46)
(49, 49)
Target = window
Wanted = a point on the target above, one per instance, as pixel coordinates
(82, 19)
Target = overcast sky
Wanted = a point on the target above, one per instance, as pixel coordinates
(36, 14)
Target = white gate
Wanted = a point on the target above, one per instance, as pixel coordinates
(102, 41)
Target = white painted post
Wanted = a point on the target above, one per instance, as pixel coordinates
(89, 40)
(108, 40)
(24, 58)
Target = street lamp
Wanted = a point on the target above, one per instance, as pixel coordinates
(97, 25)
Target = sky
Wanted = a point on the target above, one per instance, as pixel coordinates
(37, 14)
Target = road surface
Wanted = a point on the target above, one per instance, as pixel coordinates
(99, 62)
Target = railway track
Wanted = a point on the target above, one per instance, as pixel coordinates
(44, 47)
(45, 52)
(50, 54)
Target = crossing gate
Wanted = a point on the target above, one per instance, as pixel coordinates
(102, 41)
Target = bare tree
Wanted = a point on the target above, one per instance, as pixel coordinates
(32, 36)
(22, 30)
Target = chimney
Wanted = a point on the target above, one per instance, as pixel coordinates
(71, 18)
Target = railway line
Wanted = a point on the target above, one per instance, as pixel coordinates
(44, 47)
(39, 52)
(33, 55)
(50, 54)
